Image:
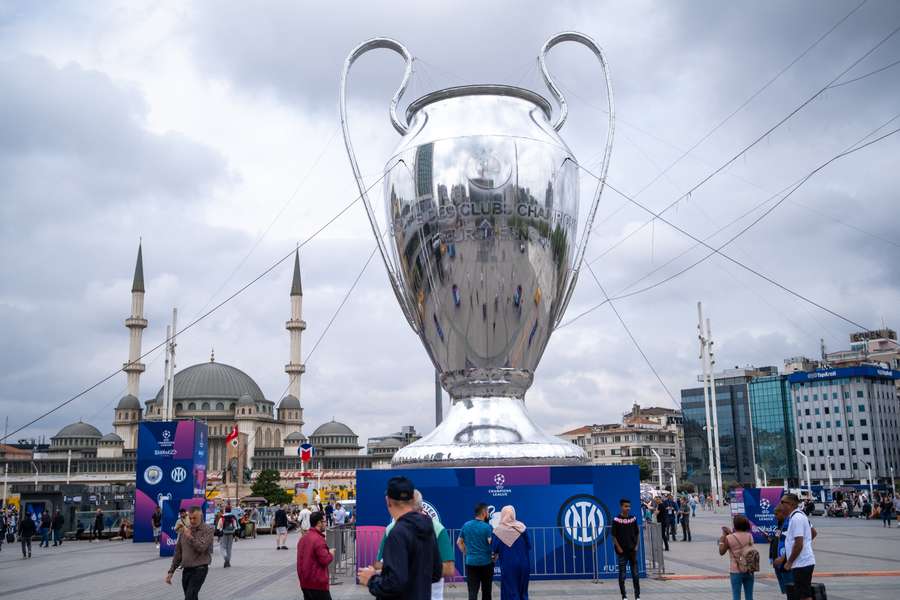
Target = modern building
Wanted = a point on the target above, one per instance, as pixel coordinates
(847, 423)
(383, 448)
(772, 416)
(735, 433)
(636, 437)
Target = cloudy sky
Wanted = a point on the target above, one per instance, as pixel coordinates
(211, 131)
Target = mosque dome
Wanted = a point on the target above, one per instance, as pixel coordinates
(111, 438)
(289, 402)
(213, 381)
(79, 430)
(129, 402)
(295, 436)
(332, 428)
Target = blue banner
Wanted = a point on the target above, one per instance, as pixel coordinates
(568, 510)
(864, 371)
(171, 474)
(758, 505)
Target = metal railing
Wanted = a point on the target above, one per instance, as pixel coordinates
(556, 553)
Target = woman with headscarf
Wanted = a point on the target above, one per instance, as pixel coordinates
(512, 549)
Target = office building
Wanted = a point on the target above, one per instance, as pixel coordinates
(847, 422)
(772, 416)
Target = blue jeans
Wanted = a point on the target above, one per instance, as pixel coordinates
(45, 536)
(738, 580)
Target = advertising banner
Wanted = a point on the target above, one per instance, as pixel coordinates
(171, 474)
(568, 510)
(758, 505)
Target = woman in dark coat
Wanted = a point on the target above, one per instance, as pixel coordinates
(510, 544)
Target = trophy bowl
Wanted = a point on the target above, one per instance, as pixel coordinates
(482, 215)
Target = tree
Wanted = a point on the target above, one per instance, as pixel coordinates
(688, 487)
(267, 486)
(644, 466)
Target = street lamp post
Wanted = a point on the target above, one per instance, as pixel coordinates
(658, 467)
(830, 478)
(36, 473)
(806, 464)
(765, 477)
(893, 484)
(869, 475)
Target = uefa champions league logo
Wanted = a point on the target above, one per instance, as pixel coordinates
(166, 435)
(765, 505)
(499, 491)
(582, 519)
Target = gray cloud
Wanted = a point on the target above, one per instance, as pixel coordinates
(85, 176)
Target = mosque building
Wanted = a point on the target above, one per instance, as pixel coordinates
(219, 394)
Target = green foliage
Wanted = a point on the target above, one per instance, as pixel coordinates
(644, 466)
(687, 487)
(267, 486)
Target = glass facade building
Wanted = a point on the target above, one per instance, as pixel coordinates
(772, 413)
(735, 447)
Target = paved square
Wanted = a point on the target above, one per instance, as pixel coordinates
(123, 570)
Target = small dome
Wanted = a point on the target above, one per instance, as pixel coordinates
(296, 436)
(289, 401)
(333, 428)
(79, 430)
(112, 437)
(245, 399)
(129, 402)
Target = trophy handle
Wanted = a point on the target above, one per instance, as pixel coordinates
(393, 272)
(574, 36)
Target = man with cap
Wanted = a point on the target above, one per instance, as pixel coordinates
(411, 561)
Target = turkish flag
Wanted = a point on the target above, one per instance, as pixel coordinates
(232, 437)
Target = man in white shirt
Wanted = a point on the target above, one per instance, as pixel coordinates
(800, 559)
(303, 519)
(340, 515)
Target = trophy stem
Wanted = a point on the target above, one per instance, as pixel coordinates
(488, 431)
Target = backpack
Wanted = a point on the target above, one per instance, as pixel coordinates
(747, 558)
(228, 525)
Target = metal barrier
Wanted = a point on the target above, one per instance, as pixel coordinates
(555, 552)
(342, 539)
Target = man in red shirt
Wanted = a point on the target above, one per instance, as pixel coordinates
(313, 558)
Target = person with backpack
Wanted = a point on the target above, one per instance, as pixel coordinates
(744, 557)
(228, 525)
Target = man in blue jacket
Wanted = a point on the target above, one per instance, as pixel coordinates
(411, 561)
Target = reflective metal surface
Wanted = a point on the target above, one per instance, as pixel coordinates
(482, 201)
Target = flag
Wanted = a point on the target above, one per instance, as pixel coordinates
(306, 452)
(232, 437)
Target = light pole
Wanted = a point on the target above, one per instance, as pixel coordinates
(806, 464)
(765, 477)
(658, 467)
(36, 473)
(830, 479)
(893, 485)
(869, 475)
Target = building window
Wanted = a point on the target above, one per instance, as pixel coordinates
(817, 411)
(852, 437)
(840, 452)
(829, 438)
(850, 424)
(865, 437)
(866, 451)
(809, 425)
(178, 406)
(806, 412)
(862, 408)
(859, 393)
(837, 424)
(863, 422)
(192, 406)
(220, 406)
(819, 439)
(843, 466)
(827, 410)
(834, 396)
(204, 406)
(830, 452)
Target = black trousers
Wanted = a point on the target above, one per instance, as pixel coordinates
(664, 529)
(625, 559)
(316, 594)
(192, 579)
(479, 576)
(26, 545)
(685, 530)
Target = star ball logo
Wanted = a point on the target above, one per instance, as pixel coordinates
(166, 435)
(499, 490)
(179, 474)
(153, 475)
(765, 505)
(582, 520)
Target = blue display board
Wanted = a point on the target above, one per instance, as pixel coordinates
(758, 505)
(568, 510)
(171, 474)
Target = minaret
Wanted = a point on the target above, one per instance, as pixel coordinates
(128, 411)
(136, 324)
(289, 410)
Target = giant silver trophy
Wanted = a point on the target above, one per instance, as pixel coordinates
(482, 209)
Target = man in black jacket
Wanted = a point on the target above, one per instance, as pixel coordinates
(411, 560)
(27, 529)
(625, 534)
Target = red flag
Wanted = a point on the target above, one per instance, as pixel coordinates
(232, 437)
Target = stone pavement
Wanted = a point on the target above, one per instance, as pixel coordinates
(123, 570)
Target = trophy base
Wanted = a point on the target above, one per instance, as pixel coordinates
(493, 431)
